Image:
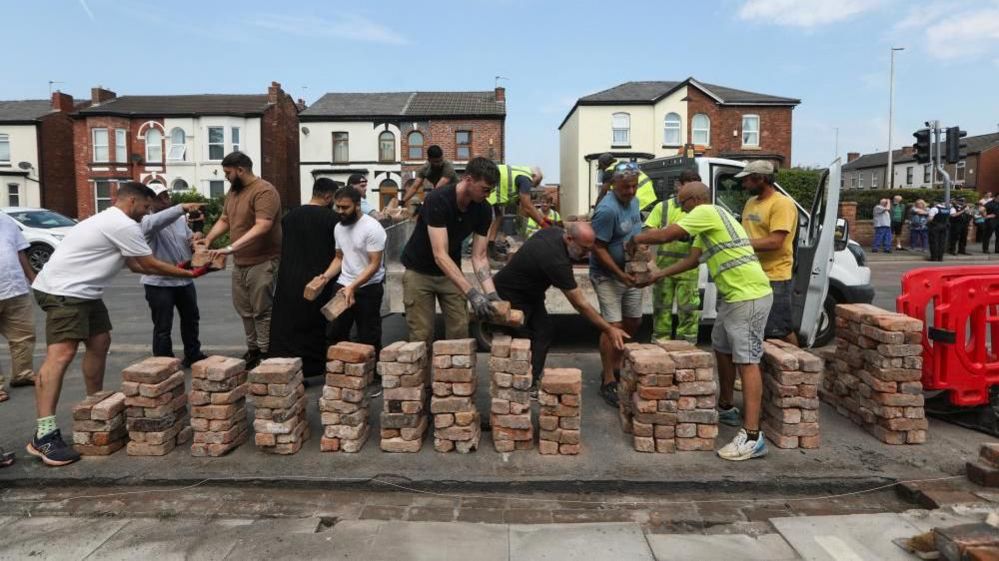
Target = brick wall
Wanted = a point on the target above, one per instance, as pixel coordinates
(279, 145)
(83, 156)
(55, 143)
(987, 174)
(488, 138)
(775, 128)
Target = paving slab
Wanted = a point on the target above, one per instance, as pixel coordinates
(857, 537)
(56, 538)
(693, 547)
(167, 540)
(375, 540)
(926, 520)
(571, 542)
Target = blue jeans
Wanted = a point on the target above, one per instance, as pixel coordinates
(917, 239)
(882, 238)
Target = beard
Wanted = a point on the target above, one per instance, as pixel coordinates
(576, 253)
(236, 184)
(754, 191)
(348, 219)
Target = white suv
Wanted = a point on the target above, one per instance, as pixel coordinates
(43, 229)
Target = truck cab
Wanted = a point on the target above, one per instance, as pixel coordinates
(829, 268)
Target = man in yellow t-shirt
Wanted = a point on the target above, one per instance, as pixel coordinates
(737, 335)
(771, 220)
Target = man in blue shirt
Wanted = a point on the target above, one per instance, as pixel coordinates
(615, 221)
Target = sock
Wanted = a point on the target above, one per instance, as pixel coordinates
(45, 426)
(752, 435)
(617, 375)
(724, 406)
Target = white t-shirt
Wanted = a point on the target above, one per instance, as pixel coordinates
(355, 241)
(12, 280)
(91, 254)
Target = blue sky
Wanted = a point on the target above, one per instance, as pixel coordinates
(831, 54)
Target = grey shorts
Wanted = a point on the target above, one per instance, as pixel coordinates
(738, 329)
(779, 324)
(616, 300)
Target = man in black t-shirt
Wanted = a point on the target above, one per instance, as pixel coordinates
(432, 255)
(545, 260)
(991, 220)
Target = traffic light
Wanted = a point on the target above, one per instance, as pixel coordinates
(955, 148)
(922, 145)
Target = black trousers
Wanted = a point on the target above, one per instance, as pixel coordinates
(538, 327)
(162, 301)
(958, 240)
(988, 228)
(938, 240)
(366, 313)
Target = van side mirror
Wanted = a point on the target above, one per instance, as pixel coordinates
(842, 234)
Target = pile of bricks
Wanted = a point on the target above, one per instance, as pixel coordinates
(639, 263)
(874, 376)
(277, 394)
(985, 470)
(510, 391)
(155, 406)
(99, 424)
(218, 406)
(507, 315)
(405, 372)
(350, 368)
(456, 420)
(697, 412)
(791, 378)
(560, 401)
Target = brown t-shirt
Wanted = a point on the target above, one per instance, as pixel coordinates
(257, 200)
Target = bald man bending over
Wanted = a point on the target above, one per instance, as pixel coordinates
(545, 260)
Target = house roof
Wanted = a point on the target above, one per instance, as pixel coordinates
(976, 144)
(405, 104)
(180, 105)
(24, 110)
(642, 93)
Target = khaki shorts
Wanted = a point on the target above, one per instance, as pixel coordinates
(616, 299)
(72, 319)
(738, 329)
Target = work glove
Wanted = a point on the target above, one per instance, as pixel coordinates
(201, 271)
(186, 265)
(494, 297)
(481, 305)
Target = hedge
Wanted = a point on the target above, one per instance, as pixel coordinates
(213, 209)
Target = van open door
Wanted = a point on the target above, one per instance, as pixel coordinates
(814, 258)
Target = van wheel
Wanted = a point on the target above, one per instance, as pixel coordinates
(483, 334)
(827, 322)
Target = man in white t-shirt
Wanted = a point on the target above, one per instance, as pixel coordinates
(70, 289)
(360, 243)
(17, 320)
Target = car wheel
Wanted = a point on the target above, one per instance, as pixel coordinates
(38, 255)
(827, 322)
(483, 333)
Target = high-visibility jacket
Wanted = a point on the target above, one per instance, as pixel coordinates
(645, 193)
(506, 189)
(532, 226)
(666, 213)
(731, 259)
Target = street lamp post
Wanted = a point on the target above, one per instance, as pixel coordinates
(891, 115)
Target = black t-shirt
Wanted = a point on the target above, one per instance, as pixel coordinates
(542, 262)
(440, 210)
(992, 207)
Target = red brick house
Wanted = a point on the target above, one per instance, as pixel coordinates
(180, 140)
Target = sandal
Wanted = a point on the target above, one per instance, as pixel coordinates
(6, 458)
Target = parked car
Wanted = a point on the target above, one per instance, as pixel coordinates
(43, 229)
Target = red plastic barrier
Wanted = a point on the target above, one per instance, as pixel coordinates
(966, 319)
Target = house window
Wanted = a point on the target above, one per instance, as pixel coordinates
(235, 139)
(13, 194)
(908, 175)
(842, 182)
(620, 129)
(154, 146)
(4, 149)
(341, 152)
(416, 146)
(853, 182)
(751, 130)
(960, 168)
(386, 147)
(926, 174)
(100, 143)
(120, 145)
(701, 126)
(102, 195)
(671, 129)
(216, 189)
(874, 180)
(179, 185)
(463, 145)
(860, 175)
(178, 145)
(216, 143)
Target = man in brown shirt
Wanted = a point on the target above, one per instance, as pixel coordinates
(251, 214)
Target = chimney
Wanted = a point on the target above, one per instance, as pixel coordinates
(851, 156)
(63, 103)
(908, 150)
(274, 93)
(500, 95)
(301, 104)
(99, 95)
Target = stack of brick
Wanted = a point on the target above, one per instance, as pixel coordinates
(510, 390)
(456, 420)
(405, 372)
(985, 470)
(697, 412)
(647, 398)
(350, 368)
(277, 393)
(640, 264)
(99, 424)
(155, 406)
(790, 395)
(560, 401)
(874, 377)
(218, 406)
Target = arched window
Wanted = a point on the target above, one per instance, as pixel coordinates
(671, 129)
(154, 146)
(621, 129)
(701, 126)
(386, 147)
(178, 145)
(415, 145)
(179, 185)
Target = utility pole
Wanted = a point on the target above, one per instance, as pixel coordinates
(891, 115)
(836, 155)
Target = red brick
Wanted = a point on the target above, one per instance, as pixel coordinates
(455, 347)
(151, 371)
(562, 381)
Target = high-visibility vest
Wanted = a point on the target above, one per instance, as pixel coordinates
(532, 226)
(727, 254)
(646, 192)
(506, 189)
(669, 253)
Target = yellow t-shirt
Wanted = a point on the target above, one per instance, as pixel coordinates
(775, 213)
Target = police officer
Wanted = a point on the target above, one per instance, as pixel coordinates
(646, 194)
(960, 219)
(939, 217)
